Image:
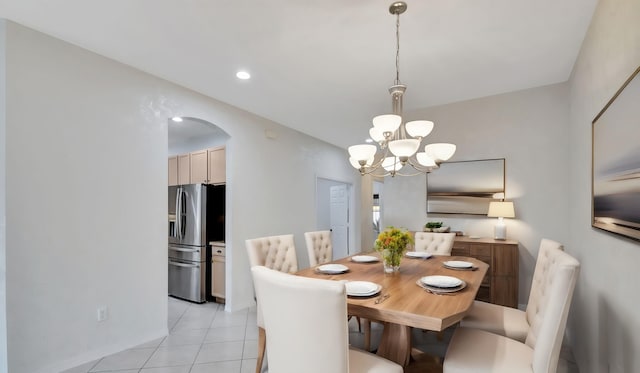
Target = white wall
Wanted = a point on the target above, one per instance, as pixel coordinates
(604, 324)
(86, 198)
(3, 241)
(529, 129)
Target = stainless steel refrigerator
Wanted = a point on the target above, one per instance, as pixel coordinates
(196, 217)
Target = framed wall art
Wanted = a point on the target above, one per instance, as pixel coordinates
(615, 181)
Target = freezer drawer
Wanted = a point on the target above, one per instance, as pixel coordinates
(187, 280)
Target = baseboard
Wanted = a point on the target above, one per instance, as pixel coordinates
(101, 352)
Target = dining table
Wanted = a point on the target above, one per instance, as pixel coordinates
(402, 304)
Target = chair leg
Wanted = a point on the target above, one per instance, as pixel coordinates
(262, 344)
(359, 325)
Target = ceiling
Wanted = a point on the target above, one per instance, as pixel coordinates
(324, 67)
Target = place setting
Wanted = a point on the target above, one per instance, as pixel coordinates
(441, 285)
(362, 289)
(332, 269)
(418, 254)
(459, 265)
(365, 259)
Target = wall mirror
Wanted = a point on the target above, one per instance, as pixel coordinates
(465, 187)
(615, 181)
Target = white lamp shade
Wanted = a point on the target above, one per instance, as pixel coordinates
(440, 151)
(501, 210)
(425, 160)
(387, 122)
(362, 152)
(376, 134)
(391, 164)
(404, 148)
(356, 165)
(419, 128)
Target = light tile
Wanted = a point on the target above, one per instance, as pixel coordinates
(251, 332)
(222, 351)
(219, 367)
(151, 344)
(250, 349)
(84, 368)
(225, 334)
(173, 355)
(193, 323)
(127, 359)
(182, 337)
(223, 319)
(175, 369)
(248, 365)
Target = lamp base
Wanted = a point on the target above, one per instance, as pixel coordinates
(500, 232)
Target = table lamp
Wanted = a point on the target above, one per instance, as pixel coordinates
(501, 210)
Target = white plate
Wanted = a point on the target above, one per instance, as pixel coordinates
(362, 288)
(418, 254)
(443, 282)
(441, 290)
(458, 264)
(364, 259)
(332, 268)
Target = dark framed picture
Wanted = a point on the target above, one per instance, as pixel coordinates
(615, 181)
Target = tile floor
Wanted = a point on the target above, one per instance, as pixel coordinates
(204, 338)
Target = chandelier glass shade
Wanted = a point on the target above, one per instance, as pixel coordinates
(398, 143)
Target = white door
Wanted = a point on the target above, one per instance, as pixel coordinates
(339, 220)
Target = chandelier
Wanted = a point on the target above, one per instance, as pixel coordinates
(399, 142)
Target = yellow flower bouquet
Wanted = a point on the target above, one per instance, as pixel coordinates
(392, 243)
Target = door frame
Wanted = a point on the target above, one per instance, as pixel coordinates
(351, 242)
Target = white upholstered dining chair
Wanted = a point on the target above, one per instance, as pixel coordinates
(434, 243)
(277, 253)
(319, 247)
(320, 250)
(511, 322)
(476, 350)
(306, 325)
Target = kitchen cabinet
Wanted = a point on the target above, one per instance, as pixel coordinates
(173, 170)
(207, 166)
(218, 264)
(184, 166)
(217, 165)
(500, 285)
(199, 168)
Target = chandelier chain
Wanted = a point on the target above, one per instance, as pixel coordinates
(397, 48)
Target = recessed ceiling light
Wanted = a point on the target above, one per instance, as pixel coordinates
(243, 75)
(176, 119)
(368, 140)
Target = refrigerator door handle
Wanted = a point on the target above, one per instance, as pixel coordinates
(184, 250)
(178, 213)
(178, 264)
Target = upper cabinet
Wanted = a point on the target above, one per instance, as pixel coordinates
(173, 170)
(204, 166)
(217, 166)
(184, 173)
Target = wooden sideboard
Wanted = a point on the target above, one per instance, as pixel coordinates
(500, 285)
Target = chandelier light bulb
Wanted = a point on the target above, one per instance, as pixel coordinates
(362, 152)
(376, 134)
(387, 122)
(419, 128)
(425, 160)
(440, 152)
(404, 148)
(391, 164)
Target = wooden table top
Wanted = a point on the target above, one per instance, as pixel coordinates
(409, 304)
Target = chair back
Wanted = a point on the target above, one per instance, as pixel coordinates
(547, 247)
(275, 252)
(319, 247)
(434, 243)
(548, 323)
(305, 322)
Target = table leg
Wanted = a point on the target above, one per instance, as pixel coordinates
(367, 334)
(395, 344)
